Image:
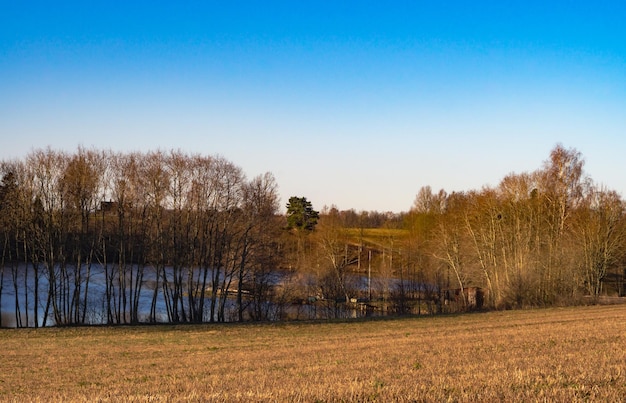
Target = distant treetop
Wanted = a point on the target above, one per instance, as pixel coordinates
(300, 214)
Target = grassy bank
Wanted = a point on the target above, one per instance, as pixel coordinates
(571, 354)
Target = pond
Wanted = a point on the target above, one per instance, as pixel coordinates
(152, 302)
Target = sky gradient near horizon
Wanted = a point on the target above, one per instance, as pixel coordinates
(353, 104)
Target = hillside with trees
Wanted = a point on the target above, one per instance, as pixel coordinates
(103, 237)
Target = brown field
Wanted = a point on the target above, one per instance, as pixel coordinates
(570, 354)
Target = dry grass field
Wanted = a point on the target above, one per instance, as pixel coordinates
(376, 237)
(570, 354)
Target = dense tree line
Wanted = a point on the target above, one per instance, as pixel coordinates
(549, 237)
(542, 238)
(188, 229)
(103, 237)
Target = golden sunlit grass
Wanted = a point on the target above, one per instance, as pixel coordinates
(573, 354)
(376, 237)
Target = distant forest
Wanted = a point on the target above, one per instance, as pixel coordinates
(85, 237)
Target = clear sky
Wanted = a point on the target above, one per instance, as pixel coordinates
(356, 104)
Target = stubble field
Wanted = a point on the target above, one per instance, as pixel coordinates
(570, 354)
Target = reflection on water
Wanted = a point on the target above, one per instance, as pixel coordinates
(24, 297)
(19, 285)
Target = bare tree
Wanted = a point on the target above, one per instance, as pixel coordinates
(259, 252)
(335, 256)
(46, 169)
(600, 230)
(561, 188)
(80, 186)
(155, 183)
(452, 247)
(520, 228)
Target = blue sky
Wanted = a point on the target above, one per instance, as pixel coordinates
(356, 104)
